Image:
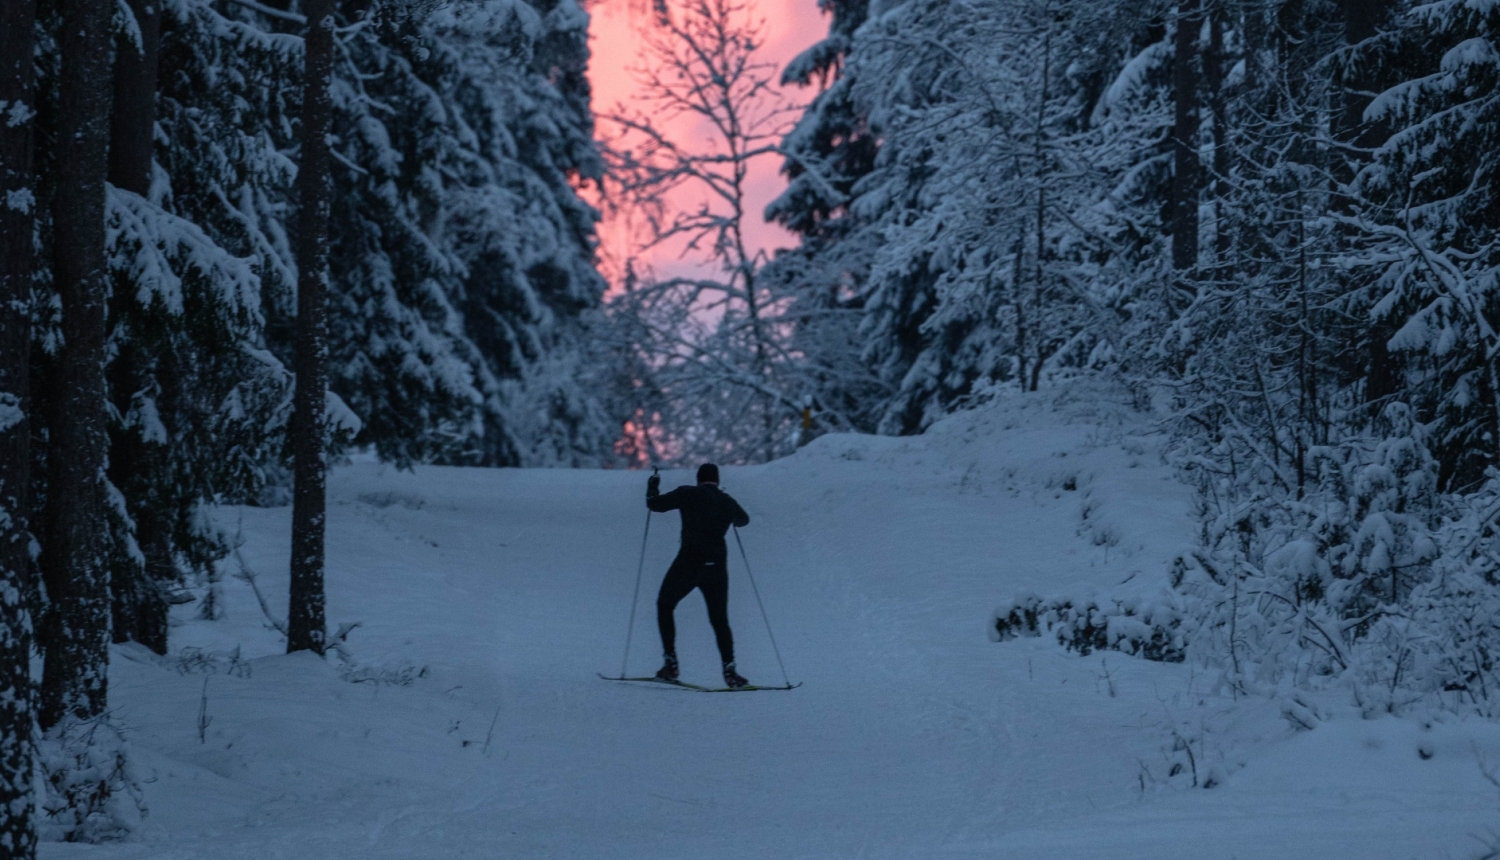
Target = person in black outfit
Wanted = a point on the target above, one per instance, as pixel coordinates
(707, 514)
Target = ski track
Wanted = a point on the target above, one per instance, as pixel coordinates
(914, 735)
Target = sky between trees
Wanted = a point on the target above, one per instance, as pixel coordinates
(790, 27)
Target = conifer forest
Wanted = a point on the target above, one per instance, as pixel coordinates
(280, 279)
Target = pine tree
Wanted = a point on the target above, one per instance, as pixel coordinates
(196, 401)
(75, 534)
(139, 606)
(821, 282)
(1004, 183)
(17, 593)
(306, 626)
(465, 255)
(1426, 223)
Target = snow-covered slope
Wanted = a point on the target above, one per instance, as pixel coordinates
(879, 561)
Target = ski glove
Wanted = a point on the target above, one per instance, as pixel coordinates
(653, 485)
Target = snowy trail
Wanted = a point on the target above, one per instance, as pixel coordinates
(914, 736)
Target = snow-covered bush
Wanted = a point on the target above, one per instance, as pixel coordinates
(89, 791)
(1332, 370)
(1369, 578)
(1141, 628)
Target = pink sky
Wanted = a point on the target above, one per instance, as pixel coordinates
(790, 27)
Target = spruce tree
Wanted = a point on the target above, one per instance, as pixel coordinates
(306, 626)
(459, 322)
(17, 593)
(821, 281)
(75, 528)
(1427, 223)
(139, 607)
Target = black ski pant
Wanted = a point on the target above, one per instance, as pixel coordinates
(709, 577)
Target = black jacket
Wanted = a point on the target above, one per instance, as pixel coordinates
(707, 514)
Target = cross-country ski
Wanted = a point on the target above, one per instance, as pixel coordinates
(743, 688)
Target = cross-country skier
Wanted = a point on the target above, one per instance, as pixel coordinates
(707, 513)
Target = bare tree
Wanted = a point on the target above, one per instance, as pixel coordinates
(17, 218)
(306, 625)
(75, 536)
(713, 340)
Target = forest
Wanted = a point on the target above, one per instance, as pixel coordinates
(245, 241)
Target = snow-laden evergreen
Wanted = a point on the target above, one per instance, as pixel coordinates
(465, 255)
(975, 254)
(1328, 362)
(462, 284)
(464, 307)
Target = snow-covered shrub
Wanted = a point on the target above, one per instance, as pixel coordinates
(1370, 578)
(1443, 640)
(89, 791)
(389, 675)
(1149, 629)
(197, 661)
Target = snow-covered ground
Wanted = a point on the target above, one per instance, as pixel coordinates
(914, 735)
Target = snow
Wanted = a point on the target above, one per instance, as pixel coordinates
(879, 560)
(1132, 77)
(20, 199)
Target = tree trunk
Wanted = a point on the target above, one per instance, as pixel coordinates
(75, 533)
(17, 38)
(133, 120)
(1185, 137)
(1214, 71)
(139, 607)
(306, 627)
(1362, 20)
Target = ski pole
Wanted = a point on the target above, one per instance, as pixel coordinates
(764, 617)
(636, 596)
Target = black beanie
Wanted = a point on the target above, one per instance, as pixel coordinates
(708, 473)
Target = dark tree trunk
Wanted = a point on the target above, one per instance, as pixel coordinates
(1185, 137)
(75, 537)
(1383, 373)
(133, 120)
(1362, 19)
(306, 627)
(139, 606)
(1214, 64)
(17, 215)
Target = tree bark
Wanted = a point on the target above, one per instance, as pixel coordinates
(306, 627)
(17, 218)
(133, 118)
(139, 607)
(75, 534)
(1185, 137)
(1214, 71)
(1362, 20)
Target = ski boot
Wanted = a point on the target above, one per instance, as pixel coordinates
(668, 671)
(732, 679)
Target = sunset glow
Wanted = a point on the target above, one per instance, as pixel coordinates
(790, 26)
